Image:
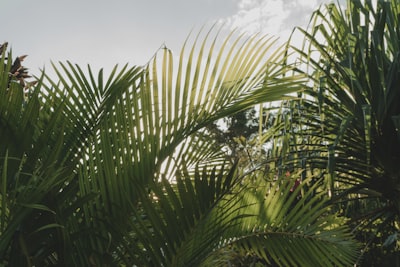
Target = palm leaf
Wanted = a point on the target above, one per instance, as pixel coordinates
(344, 124)
(101, 157)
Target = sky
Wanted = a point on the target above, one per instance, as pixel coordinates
(104, 33)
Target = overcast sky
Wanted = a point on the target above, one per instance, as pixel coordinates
(104, 32)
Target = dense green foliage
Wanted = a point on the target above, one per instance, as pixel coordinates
(345, 126)
(131, 169)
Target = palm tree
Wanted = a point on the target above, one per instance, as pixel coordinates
(121, 171)
(345, 127)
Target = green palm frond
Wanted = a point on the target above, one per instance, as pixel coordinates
(283, 223)
(184, 222)
(123, 171)
(156, 124)
(358, 88)
(345, 123)
(193, 221)
(205, 89)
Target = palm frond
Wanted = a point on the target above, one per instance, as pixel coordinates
(290, 224)
(122, 170)
(345, 123)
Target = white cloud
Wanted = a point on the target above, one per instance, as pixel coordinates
(274, 17)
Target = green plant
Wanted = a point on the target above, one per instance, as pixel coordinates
(345, 126)
(120, 171)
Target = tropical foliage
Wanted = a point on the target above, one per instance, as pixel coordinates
(122, 171)
(345, 126)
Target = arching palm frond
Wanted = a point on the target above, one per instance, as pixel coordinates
(346, 124)
(157, 124)
(290, 220)
(122, 171)
(45, 129)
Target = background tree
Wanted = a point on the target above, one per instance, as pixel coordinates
(236, 133)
